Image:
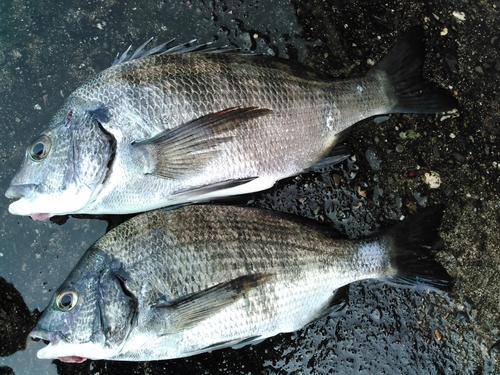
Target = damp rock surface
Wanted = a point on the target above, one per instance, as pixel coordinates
(48, 49)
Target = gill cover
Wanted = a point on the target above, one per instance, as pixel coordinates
(91, 148)
(118, 306)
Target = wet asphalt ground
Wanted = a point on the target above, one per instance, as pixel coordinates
(47, 50)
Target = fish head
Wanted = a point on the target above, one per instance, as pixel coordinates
(90, 315)
(65, 166)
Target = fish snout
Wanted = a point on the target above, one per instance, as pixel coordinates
(20, 191)
(41, 334)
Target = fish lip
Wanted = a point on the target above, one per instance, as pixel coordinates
(20, 191)
(52, 339)
(41, 204)
(40, 216)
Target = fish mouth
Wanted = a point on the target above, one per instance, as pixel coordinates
(24, 193)
(55, 344)
(34, 201)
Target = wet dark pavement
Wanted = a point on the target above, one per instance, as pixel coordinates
(47, 50)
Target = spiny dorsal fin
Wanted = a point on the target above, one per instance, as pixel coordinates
(164, 48)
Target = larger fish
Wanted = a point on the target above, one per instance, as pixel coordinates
(169, 284)
(165, 128)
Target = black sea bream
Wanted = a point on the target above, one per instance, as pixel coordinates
(187, 125)
(169, 284)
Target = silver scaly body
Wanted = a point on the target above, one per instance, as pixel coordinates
(161, 129)
(169, 284)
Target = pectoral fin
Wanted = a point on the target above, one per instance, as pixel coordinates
(188, 148)
(190, 310)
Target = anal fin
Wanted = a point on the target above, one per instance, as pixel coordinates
(335, 304)
(327, 162)
(203, 193)
(236, 343)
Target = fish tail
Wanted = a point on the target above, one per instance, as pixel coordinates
(403, 65)
(411, 242)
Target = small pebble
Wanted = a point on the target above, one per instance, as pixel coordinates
(459, 15)
(377, 193)
(458, 157)
(336, 180)
(376, 314)
(435, 151)
(421, 200)
(432, 179)
(438, 335)
(372, 159)
(495, 348)
(451, 60)
(380, 119)
(410, 134)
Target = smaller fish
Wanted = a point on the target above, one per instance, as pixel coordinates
(170, 284)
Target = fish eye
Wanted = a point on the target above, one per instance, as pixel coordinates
(40, 148)
(66, 300)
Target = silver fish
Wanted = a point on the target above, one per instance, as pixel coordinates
(170, 284)
(163, 128)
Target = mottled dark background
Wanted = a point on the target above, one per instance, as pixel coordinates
(47, 49)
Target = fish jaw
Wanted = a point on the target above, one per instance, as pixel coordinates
(70, 352)
(44, 206)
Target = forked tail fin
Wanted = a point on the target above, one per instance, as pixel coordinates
(410, 244)
(403, 65)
